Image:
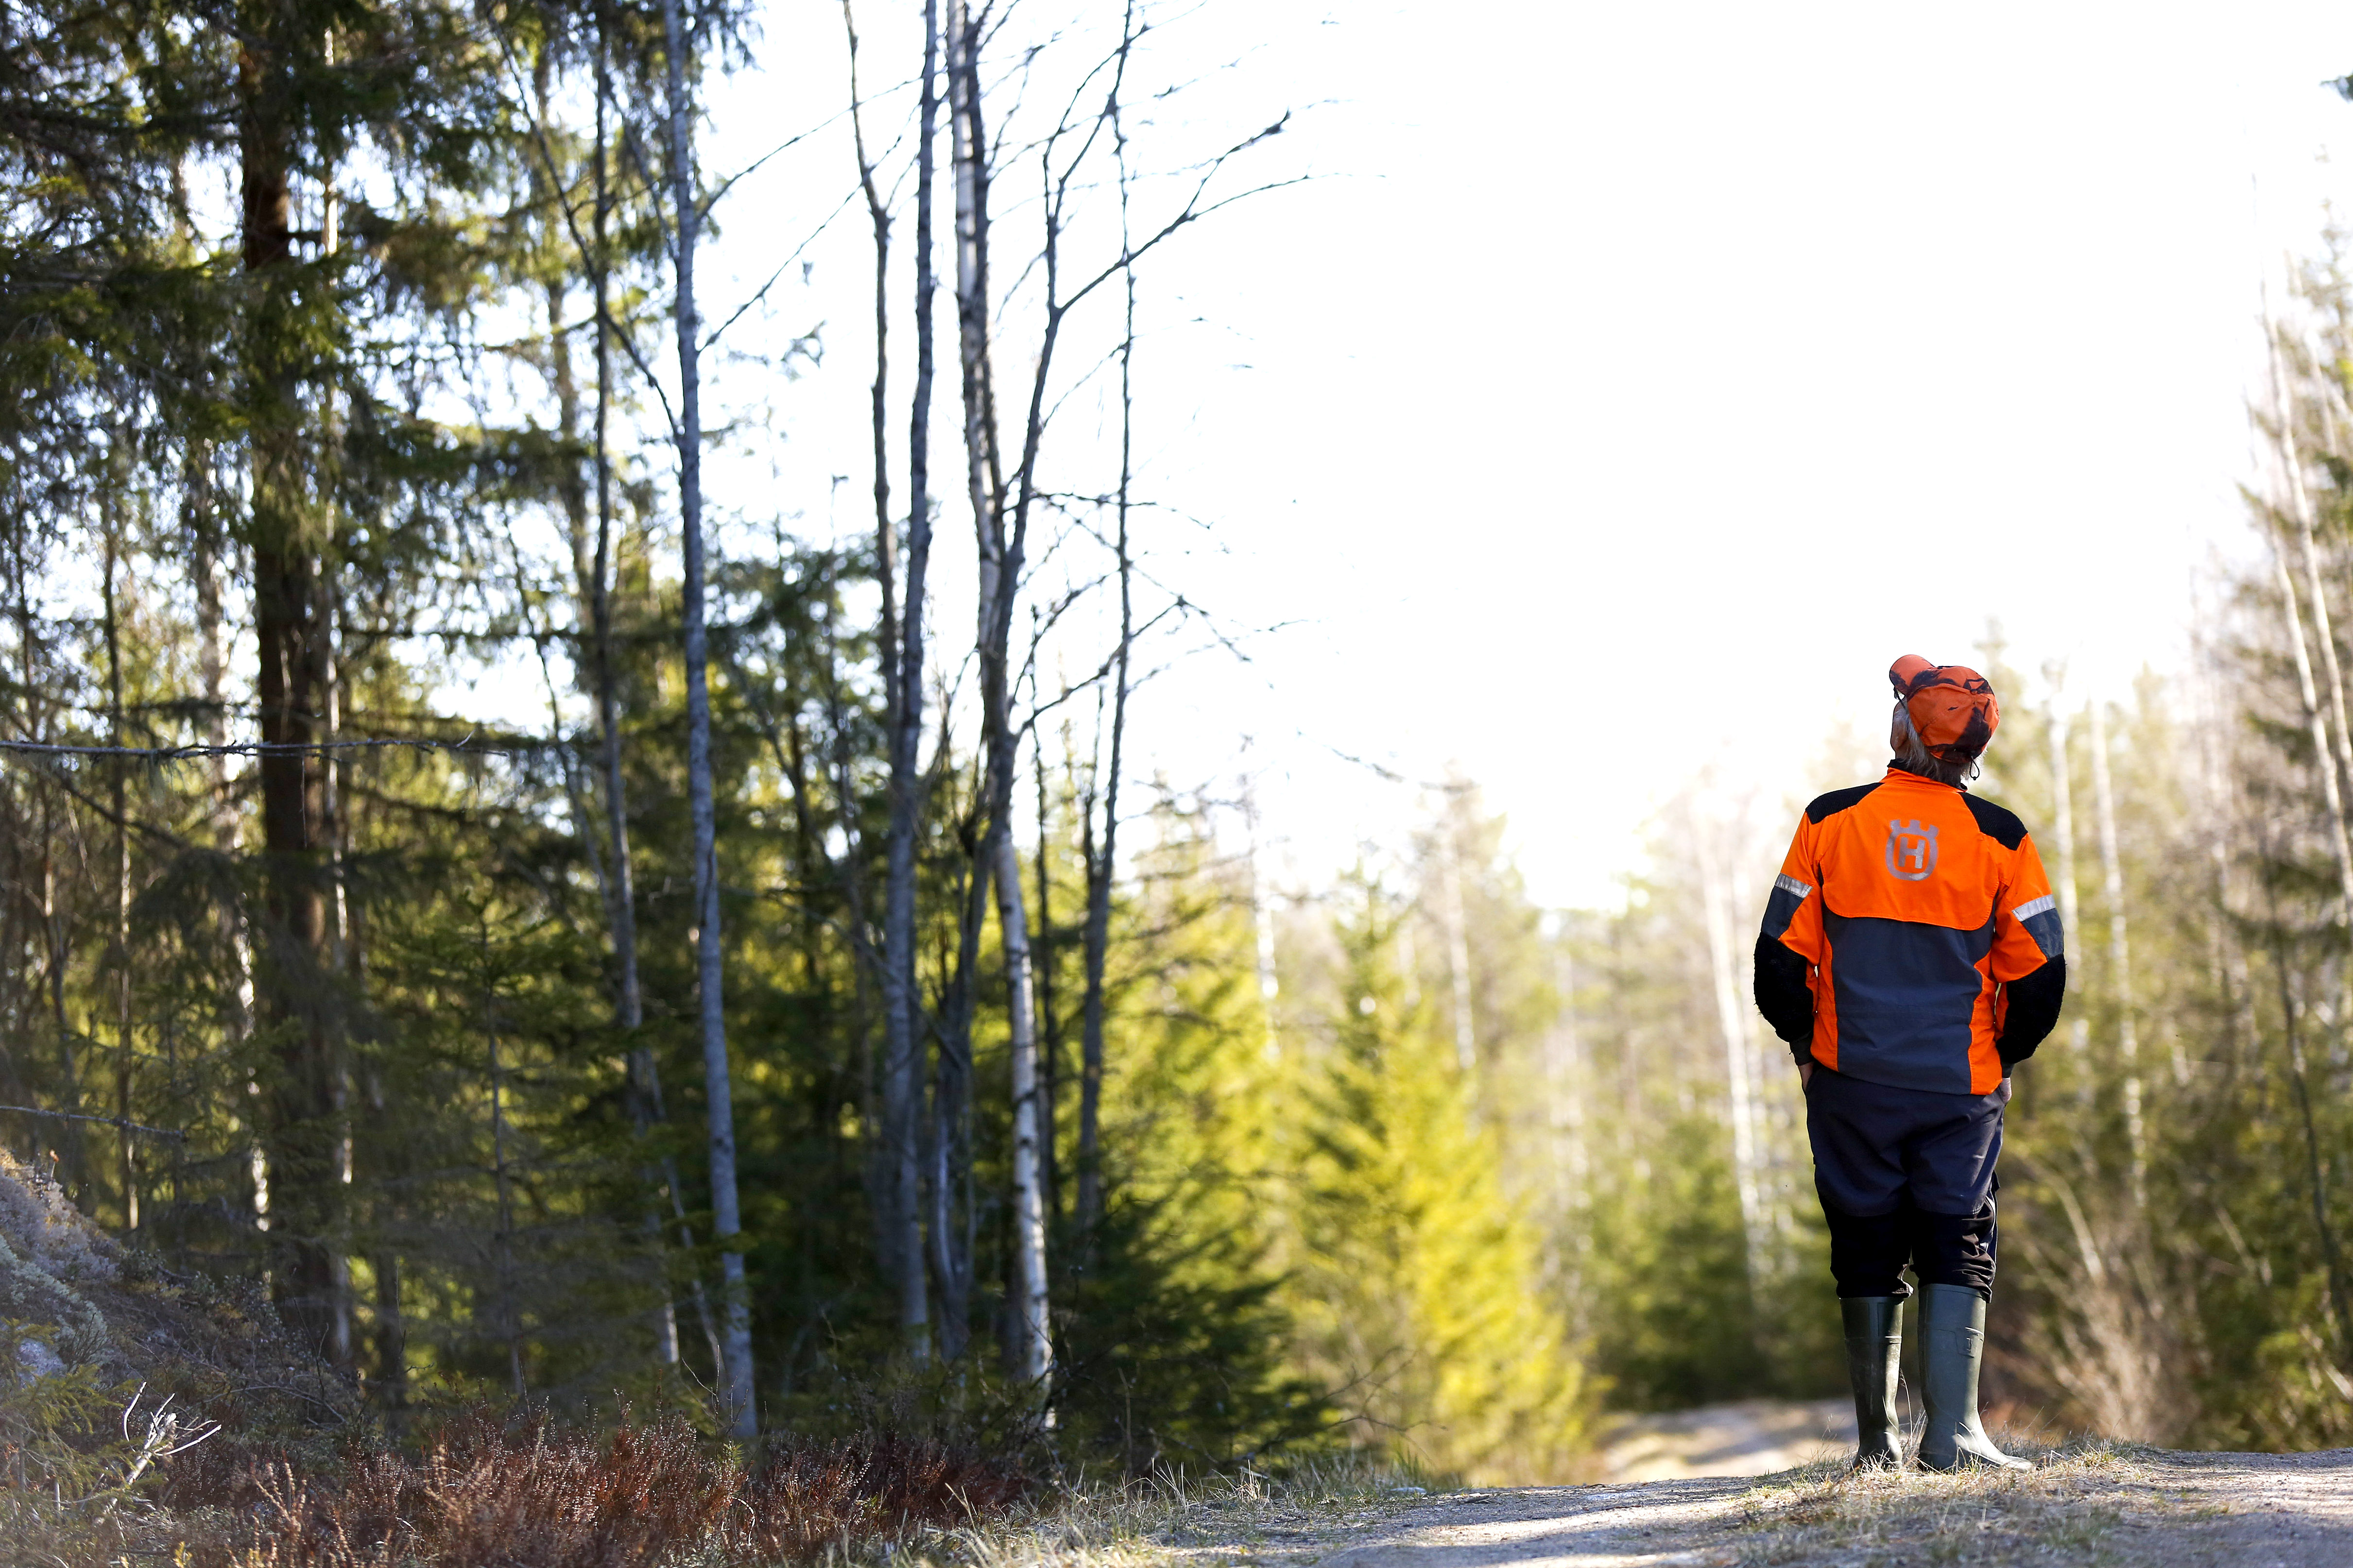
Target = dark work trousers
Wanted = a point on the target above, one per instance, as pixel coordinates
(1905, 1175)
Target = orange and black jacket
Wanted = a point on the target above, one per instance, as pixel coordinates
(1912, 938)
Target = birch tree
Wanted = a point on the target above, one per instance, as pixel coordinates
(2324, 754)
(739, 1399)
(2292, 465)
(903, 578)
(1033, 1344)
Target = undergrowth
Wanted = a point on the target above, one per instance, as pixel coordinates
(515, 1490)
(493, 1490)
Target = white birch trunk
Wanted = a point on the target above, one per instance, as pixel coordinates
(1034, 1352)
(2317, 723)
(2324, 755)
(741, 1410)
(2300, 506)
(2111, 870)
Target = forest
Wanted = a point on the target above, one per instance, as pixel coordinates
(479, 868)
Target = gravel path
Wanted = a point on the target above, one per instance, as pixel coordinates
(1593, 1526)
(1752, 1437)
(2141, 1508)
(2270, 1510)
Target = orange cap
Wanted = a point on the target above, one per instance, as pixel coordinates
(1952, 706)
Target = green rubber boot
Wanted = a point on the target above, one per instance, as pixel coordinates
(1874, 1338)
(1952, 1343)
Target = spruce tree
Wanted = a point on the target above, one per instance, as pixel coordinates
(1419, 1282)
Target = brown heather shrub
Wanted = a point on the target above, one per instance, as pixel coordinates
(487, 1492)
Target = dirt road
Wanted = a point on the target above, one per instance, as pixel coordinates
(1752, 1437)
(2087, 1504)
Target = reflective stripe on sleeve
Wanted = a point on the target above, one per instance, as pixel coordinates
(2041, 919)
(1782, 907)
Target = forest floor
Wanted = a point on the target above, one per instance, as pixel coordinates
(2086, 1503)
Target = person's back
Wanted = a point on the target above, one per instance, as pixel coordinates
(1911, 955)
(1930, 901)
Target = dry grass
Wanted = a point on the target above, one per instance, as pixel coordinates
(2066, 1509)
(1216, 1522)
(487, 1491)
(493, 1491)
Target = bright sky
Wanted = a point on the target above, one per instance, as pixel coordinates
(1641, 379)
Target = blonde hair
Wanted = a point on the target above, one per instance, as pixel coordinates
(1914, 754)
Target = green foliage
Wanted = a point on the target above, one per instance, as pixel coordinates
(1176, 1331)
(1679, 1327)
(1175, 1350)
(1417, 1278)
(57, 1432)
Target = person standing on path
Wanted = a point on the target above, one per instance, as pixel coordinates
(1911, 956)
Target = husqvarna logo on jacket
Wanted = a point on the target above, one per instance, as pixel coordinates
(1911, 850)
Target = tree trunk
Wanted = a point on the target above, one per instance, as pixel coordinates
(391, 1343)
(2300, 509)
(2317, 725)
(119, 949)
(510, 1314)
(326, 625)
(598, 676)
(1103, 859)
(1103, 862)
(1050, 1031)
(286, 570)
(1033, 1346)
(896, 1173)
(999, 576)
(736, 1308)
(2340, 1293)
(70, 1150)
(901, 1214)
